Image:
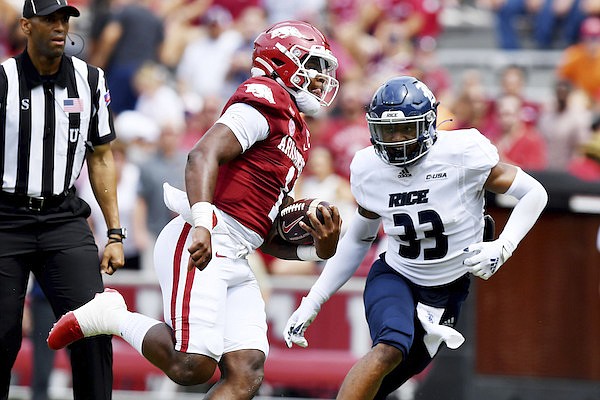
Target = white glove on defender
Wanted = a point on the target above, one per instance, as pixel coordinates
(297, 324)
(488, 257)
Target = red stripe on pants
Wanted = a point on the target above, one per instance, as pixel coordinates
(179, 249)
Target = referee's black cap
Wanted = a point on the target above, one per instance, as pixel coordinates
(32, 8)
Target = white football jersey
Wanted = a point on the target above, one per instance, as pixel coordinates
(431, 210)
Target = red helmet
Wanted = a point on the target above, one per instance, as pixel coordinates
(297, 52)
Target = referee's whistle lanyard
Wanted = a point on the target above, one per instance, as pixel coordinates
(74, 117)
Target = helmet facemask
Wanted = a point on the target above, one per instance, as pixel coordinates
(400, 140)
(314, 63)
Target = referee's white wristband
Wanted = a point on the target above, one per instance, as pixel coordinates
(202, 215)
(308, 253)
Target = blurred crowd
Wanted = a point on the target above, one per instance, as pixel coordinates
(171, 65)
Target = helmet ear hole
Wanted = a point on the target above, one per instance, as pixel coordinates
(278, 62)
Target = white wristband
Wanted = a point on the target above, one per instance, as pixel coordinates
(308, 253)
(202, 214)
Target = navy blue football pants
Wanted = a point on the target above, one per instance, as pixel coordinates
(390, 306)
(58, 247)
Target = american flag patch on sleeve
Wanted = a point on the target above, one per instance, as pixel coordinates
(72, 105)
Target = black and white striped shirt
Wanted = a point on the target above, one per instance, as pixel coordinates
(46, 126)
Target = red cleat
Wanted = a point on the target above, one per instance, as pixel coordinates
(64, 332)
(99, 316)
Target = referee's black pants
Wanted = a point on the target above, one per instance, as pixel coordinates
(58, 247)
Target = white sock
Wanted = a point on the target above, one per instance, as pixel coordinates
(94, 323)
(133, 329)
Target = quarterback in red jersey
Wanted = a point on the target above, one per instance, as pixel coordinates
(238, 176)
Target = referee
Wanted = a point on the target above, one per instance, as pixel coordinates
(54, 116)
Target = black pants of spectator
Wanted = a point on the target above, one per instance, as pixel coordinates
(58, 247)
(42, 317)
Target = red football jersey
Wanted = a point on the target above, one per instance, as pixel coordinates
(251, 187)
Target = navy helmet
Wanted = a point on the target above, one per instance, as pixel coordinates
(402, 120)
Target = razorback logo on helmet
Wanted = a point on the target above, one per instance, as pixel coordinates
(286, 31)
(261, 91)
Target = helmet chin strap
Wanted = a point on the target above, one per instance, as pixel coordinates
(307, 103)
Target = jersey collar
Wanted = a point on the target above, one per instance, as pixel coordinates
(32, 76)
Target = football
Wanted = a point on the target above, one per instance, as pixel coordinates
(288, 225)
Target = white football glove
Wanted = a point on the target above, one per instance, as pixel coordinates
(487, 257)
(297, 324)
